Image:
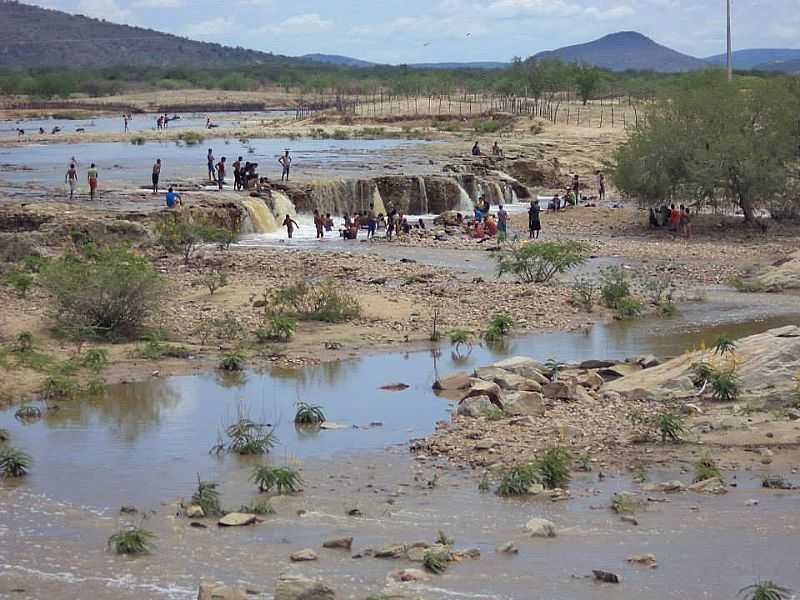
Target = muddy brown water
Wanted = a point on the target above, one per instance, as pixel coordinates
(146, 443)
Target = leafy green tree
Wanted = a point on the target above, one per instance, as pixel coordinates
(587, 79)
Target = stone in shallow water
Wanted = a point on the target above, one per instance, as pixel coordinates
(238, 520)
(541, 528)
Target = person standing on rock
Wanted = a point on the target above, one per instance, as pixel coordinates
(156, 175)
(210, 160)
(502, 220)
(372, 222)
(92, 176)
(285, 161)
(534, 221)
(237, 174)
(290, 224)
(71, 179)
(576, 186)
(221, 173)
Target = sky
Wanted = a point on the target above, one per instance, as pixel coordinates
(411, 31)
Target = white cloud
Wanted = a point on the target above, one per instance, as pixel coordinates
(211, 27)
(104, 9)
(159, 3)
(611, 13)
(300, 24)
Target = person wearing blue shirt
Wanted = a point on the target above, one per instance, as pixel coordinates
(173, 199)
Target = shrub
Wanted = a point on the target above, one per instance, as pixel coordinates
(614, 286)
(308, 414)
(658, 289)
(745, 286)
(625, 503)
(247, 437)
(60, 387)
(706, 468)
(207, 497)
(283, 479)
(132, 541)
(541, 261)
(261, 508)
(228, 327)
(669, 425)
(701, 372)
(553, 368)
(628, 308)
(191, 138)
(584, 293)
(435, 561)
(279, 328)
(14, 462)
(20, 281)
(553, 467)
(323, 302)
(23, 343)
(518, 479)
(494, 414)
(499, 327)
(461, 339)
(667, 310)
(765, 590)
(33, 263)
(28, 413)
(725, 385)
(111, 295)
(185, 237)
(213, 281)
(724, 345)
(95, 359)
(232, 361)
(138, 140)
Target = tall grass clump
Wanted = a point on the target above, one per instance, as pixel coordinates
(323, 302)
(284, 480)
(132, 541)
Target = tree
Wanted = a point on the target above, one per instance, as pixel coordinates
(587, 79)
(709, 141)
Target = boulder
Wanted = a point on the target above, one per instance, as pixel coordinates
(345, 543)
(648, 361)
(592, 380)
(215, 591)
(646, 560)
(305, 555)
(664, 486)
(524, 404)
(606, 576)
(408, 575)
(516, 383)
(590, 365)
(391, 551)
(297, 587)
(709, 486)
(236, 519)
(524, 366)
(474, 407)
(448, 218)
(781, 275)
(416, 554)
(541, 528)
(484, 445)
(479, 387)
(453, 382)
(195, 512)
(507, 548)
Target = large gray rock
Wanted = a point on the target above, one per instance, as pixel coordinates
(524, 366)
(541, 528)
(479, 387)
(297, 587)
(238, 520)
(215, 591)
(305, 555)
(391, 551)
(508, 380)
(453, 382)
(782, 275)
(524, 403)
(565, 389)
(474, 407)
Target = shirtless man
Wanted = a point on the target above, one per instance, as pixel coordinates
(290, 224)
(285, 161)
(92, 176)
(210, 160)
(71, 178)
(156, 175)
(221, 172)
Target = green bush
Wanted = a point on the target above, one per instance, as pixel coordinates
(184, 238)
(584, 293)
(308, 414)
(111, 295)
(95, 359)
(435, 561)
(213, 280)
(279, 328)
(60, 387)
(207, 497)
(132, 541)
(322, 302)
(518, 479)
(624, 503)
(706, 468)
(614, 286)
(628, 308)
(499, 328)
(669, 425)
(553, 467)
(285, 480)
(667, 310)
(541, 261)
(725, 385)
(33, 263)
(14, 462)
(261, 508)
(766, 590)
(232, 361)
(20, 281)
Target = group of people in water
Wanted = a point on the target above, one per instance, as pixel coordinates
(371, 221)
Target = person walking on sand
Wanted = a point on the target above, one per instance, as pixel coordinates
(221, 173)
(290, 224)
(156, 175)
(285, 161)
(210, 160)
(71, 179)
(92, 176)
(534, 221)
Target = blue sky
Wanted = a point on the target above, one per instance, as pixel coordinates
(404, 31)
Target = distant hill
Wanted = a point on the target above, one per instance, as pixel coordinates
(783, 66)
(37, 37)
(758, 58)
(336, 59)
(461, 65)
(624, 51)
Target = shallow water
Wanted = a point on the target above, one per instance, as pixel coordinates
(123, 162)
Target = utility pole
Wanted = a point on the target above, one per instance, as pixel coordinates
(730, 45)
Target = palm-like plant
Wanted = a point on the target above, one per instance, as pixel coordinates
(725, 385)
(765, 590)
(724, 345)
(309, 414)
(553, 467)
(669, 425)
(132, 541)
(435, 562)
(232, 361)
(282, 479)
(553, 368)
(207, 497)
(706, 468)
(14, 462)
(248, 437)
(461, 340)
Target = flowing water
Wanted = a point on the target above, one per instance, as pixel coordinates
(146, 443)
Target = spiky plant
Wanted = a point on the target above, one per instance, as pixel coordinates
(28, 413)
(23, 342)
(14, 462)
(669, 425)
(461, 340)
(706, 468)
(248, 437)
(435, 562)
(518, 479)
(701, 372)
(261, 508)
(725, 385)
(441, 538)
(207, 497)
(232, 361)
(553, 368)
(553, 467)
(765, 590)
(308, 414)
(624, 503)
(283, 479)
(724, 345)
(494, 414)
(132, 541)
(499, 327)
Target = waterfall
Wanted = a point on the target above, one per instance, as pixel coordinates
(282, 206)
(259, 218)
(423, 195)
(377, 202)
(339, 197)
(465, 204)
